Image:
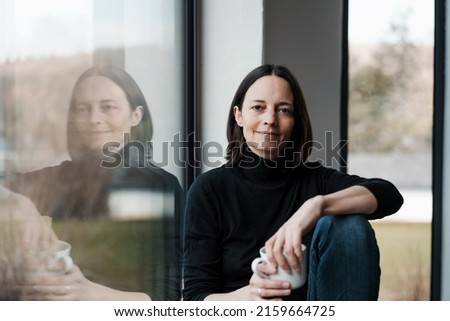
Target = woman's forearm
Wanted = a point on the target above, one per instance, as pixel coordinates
(103, 293)
(220, 297)
(241, 294)
(352, 200)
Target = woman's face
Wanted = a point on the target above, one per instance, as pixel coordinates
(267, 116)
(102, 113)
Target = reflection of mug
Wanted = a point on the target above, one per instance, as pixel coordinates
(63, 249)
(63, 254)
(295, 279)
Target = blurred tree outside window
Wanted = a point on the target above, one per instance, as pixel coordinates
(390, 130)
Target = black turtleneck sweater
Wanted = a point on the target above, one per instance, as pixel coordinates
(231, 212)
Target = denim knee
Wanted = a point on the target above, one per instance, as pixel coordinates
(349, 230)
(344, 259)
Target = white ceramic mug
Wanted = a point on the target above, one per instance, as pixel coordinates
(63, 254)
(63, 248)
(46, 266)
(295, 279)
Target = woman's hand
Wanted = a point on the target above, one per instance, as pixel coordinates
(72, 286)
(55, 285)
(266, 289)
(258, 289)
(284, 248)
(26, 241)
(26, 230)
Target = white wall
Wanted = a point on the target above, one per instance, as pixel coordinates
(231, 46)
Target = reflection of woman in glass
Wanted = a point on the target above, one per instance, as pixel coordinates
(269, 195)
(118, 210)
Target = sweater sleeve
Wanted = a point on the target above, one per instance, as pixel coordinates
(202, 250)
(388, 197)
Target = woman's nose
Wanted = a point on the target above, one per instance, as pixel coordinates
(95, 115)
(270, 117)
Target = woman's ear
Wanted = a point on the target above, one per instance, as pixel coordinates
(136, 115)
(237, 115)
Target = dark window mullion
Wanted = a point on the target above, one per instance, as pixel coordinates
(344, 88)
(438, 146)
(192, 112)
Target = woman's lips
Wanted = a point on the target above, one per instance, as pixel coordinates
(268, 134)
(98, 132)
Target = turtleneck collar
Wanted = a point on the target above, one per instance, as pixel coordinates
(261, 169)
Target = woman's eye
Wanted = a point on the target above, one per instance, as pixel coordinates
(256, 107)
(80, 108)
(107, 107)
(285, 110)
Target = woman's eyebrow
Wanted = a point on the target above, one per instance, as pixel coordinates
(286, 102)
(82, 101)
(283, 102)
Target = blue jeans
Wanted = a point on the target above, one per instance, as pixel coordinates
(344, 260)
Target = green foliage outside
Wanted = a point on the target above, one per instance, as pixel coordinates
(390, 95)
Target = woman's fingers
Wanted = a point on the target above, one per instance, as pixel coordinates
(281, 249)
(284, 249)
(293, 251)
(267, 269)
(263, 288)
(48, 292)
(55, 276)
(52, 286)
(269, 250)
(265, 293)
(275, 248)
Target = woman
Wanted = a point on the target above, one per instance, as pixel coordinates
(268, 194)
(118, 210)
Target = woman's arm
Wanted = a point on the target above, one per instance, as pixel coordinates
(388, 198)
(74, 286)
(352, 200)
(285, 245)
(257, 290)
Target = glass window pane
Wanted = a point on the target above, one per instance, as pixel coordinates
(91, 97)
(391, 47)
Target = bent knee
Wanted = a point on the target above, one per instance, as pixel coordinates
(354, 228)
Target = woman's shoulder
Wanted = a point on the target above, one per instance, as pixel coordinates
(150, 176)
(214, 174)
(208, 186)
(212, 177)
(46, 171)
